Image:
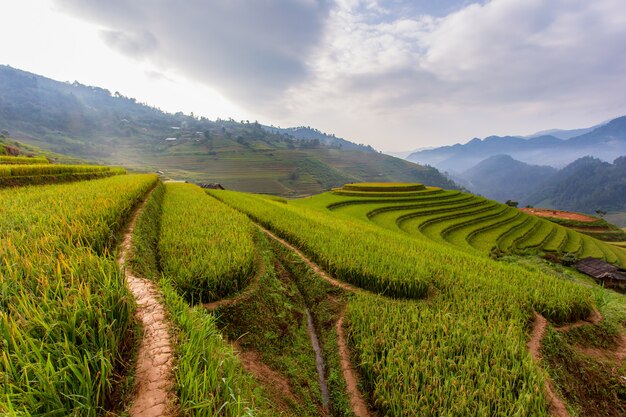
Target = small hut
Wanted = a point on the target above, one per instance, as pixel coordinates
(212, 186)
(604, 272)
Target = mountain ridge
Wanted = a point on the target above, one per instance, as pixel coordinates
(607, 141)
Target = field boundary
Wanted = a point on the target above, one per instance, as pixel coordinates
(252, 286)
(153, 371)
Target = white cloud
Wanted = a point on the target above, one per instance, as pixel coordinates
(392, 73)
(249, 51)
(535, 58)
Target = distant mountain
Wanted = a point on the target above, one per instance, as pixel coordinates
(606, 142)
(585, 185)
(564, 133)
(94, 124)
(502, 178)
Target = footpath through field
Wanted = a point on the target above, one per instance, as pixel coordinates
(153, 375)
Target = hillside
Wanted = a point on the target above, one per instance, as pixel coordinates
(93, 124)
(606, 142)
(502, 178)
(586, 185)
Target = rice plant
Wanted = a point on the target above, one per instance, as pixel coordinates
(205, 247)
(64, 309)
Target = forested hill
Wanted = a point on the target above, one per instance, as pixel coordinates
(96, 124)
(586, 185)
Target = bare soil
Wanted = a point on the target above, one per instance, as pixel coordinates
(614, 355)
(154, 394)
(557, 407)
(558, 214)
(359, 408)
(269, 378)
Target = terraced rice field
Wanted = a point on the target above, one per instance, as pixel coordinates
(17, 171)
(392, 282)
(471, 223)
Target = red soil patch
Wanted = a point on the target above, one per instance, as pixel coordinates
(153, 376)
(558, 214)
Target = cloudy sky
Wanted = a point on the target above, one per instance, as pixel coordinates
(396, 74)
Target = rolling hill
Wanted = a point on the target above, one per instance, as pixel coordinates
(94, 124)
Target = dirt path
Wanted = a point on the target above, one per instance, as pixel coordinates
(557, 407)
(359, 408)
(153, 375)
(358, 405)
(269, 378)
(311, 264)
(614, 355)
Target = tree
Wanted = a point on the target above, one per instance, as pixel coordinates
(601, 213)
(511, 203)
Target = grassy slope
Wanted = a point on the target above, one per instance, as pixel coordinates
(259, 166)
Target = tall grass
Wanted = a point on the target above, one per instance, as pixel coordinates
(206, 248)
(64, 309)
(50, 169)
(17, 160)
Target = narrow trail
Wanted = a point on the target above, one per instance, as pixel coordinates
(359, 408)
(557, 406)
(319, 271)
(272, 380)
(153, 375)
(246, 293)
(357, 403)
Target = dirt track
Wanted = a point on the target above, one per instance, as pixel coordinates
(557, 407)
(153, 376)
